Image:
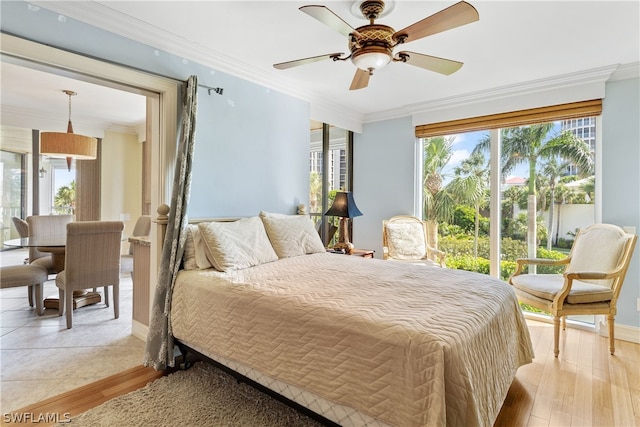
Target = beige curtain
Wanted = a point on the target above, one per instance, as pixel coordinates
(159, 347)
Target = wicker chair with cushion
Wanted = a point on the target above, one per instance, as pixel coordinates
(32, 276)
(22, 227)
(593, 275)
(47, 225)
(404, 238)
(92, 260)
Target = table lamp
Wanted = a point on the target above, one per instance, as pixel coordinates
(344, 207)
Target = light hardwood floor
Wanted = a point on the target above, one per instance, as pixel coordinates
(584, 387)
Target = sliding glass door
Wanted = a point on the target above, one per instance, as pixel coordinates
(546, 192)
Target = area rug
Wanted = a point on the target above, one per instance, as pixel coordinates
(201, 396)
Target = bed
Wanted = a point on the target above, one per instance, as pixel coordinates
(358, 341)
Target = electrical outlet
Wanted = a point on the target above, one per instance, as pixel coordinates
(125, 217)
(638, 304)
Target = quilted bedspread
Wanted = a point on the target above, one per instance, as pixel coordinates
(410, 345)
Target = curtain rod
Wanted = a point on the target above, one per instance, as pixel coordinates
(217, 90)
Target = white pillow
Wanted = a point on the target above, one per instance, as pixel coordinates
(405, 240)
(237, 245)
(264, 214)
(195, 257)
(189, 256)
(293, 235)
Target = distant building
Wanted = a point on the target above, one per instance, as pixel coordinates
(585, 129)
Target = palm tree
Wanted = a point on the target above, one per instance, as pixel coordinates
(470, 187)
(552, 171)
(510, 199)
(589, 188)
(65, 199)
(438, 204)
(315, 192)
(527, 144)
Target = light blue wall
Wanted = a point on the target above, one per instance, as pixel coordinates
(251, 153)
(252, 143)
(621, 178)
(383, 181)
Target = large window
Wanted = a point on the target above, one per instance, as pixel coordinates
(541, 188)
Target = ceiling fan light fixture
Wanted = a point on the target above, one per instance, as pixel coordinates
(68, 145)
(371, 58)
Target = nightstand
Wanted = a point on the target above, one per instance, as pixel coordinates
(364, 253)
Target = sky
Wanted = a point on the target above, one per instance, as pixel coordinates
(464, 143)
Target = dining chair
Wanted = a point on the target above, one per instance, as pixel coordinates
(405, 238)
(42, 226)
(22, 227)
(594, 272)
(92, 260)
(32, 276)
(142, 228)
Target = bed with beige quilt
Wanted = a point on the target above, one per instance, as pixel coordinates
(358, 341)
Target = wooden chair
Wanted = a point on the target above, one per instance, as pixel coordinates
(591, 282)
(92, 260)
(405, 238)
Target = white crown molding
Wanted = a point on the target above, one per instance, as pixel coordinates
(553, 83)
(101, 16)
(596, 76)
(626, 71)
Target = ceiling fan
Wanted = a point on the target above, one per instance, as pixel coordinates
(372, 45)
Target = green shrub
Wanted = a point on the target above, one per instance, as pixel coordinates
(480, 265)
(459, 250)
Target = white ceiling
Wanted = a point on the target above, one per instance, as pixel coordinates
(512, 43)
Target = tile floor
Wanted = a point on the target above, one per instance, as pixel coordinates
(40, 357)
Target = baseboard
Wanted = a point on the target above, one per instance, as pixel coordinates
(139, 330)
(622, 332)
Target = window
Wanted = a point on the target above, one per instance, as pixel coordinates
(13, 176)
(544, 168)
(330, 154)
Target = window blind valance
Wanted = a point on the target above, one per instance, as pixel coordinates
(512, 119)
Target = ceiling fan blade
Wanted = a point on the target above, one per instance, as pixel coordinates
(461, 13)
(431, 63)
(303, 61)
(327, 17)
(360, 79)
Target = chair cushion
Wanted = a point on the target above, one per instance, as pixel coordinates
(547, 286)
(45, 262)
(405, 240)
(609, 241)
(22, 275)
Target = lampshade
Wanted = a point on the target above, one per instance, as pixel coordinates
(69, 144)
(371, 58)
(344, 206)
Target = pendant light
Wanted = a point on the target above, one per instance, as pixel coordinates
(69, 144)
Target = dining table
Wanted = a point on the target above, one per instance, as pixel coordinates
(55, 245)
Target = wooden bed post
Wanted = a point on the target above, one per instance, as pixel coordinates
(162, 220)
